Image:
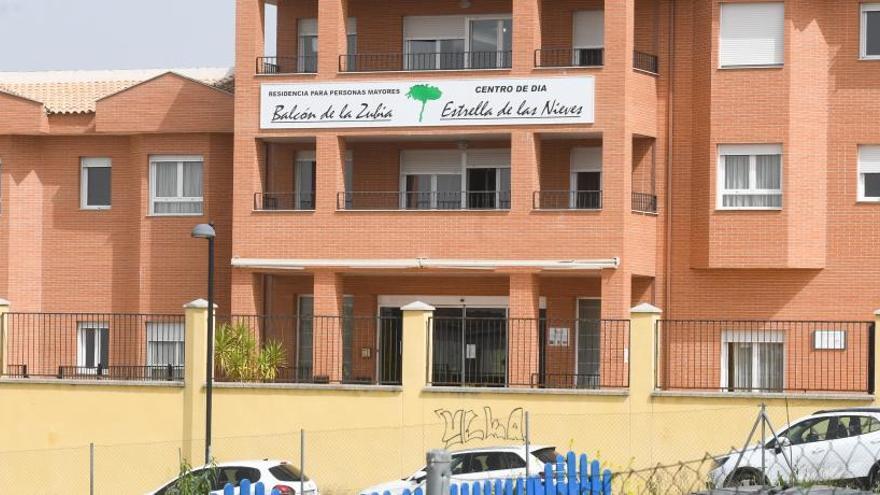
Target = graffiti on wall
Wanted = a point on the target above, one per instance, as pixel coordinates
(466, 425)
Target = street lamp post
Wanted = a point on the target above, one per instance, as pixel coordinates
(206, 231)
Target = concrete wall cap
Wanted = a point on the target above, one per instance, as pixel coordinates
(646, 308)
(197, 304)
(4, 302)
(876, 313)
(417, 306)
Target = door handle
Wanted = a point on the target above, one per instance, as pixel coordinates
(817, 451)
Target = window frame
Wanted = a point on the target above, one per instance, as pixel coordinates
(863, 30)
(751, 337)
(407, 52)
(860, 174)
(169, 328)
(81, 355)
(752, 150)
(86, 163)
(179, 159)
(721, 64)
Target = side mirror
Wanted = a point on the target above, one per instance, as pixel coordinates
(781, 443)
(419, 477)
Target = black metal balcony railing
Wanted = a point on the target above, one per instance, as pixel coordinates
(284, 201)
(389, 62)
(644, 203)
(436, 200)
(567, 200)
(522, 352)
(646, 62)
(287, 65)
(569, 57)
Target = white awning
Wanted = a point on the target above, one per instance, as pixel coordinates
(426, 263)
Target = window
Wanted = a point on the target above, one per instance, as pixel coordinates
(589, 37)
(869, 173)
(176, 185)
(586, 178)
(752, 361)
(547, 455)
(457, 42)
(750, 177)
(305, 181)
(93, 346)
(308, 46)
(434, 179)
(870, 31)
(752, 34)
(95, 183)
(164, 344)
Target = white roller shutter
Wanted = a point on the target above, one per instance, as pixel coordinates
(308, 27)
(586, 159)
(430, 162)
(752, 34)
(437, 27)
(589, 29)
(489, 158)
(869, 159)
(749, 149)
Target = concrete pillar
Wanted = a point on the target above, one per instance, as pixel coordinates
(332, 15)
(330, 172)
(4, 309)
(416, 352)
(526, 34)
(876, 352)
(522, 332)
(195, 360)
(327, 326)
(642, 366)
(525, 162)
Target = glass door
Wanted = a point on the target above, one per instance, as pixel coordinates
(589, 343)
(470, 346)
(390, 346)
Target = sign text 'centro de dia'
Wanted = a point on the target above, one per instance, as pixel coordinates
(443, 102)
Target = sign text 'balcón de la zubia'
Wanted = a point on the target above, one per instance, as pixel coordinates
(561, 100)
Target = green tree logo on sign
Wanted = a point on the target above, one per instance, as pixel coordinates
(424, 93)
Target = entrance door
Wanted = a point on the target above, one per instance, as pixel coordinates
(470, 346)
(589, 343)
(390, 346)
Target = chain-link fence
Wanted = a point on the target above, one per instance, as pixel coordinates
(679, 452)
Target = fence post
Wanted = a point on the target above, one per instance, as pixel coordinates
(194, 379)
(874, 381)
(416, 347)
(4, 310)
(438, 472)
(642, 366)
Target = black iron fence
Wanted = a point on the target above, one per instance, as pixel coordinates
(423, 200)
(389, 62)
(646, 62)
(765, 356)
(287, 65)
(537, 353)
(132, 347)
(644, 203)
(569, 57)
(277, 201)
(567, 200)
(309, 349)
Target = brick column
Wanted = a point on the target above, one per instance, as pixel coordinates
(327, 326)
(522, 333)
(330, 172)
(526, 34)
(525, 160)
(332, 43)
(616, 293)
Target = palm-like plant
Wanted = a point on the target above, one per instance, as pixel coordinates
(424, 93)
(239, 359)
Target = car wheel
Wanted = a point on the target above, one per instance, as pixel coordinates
(746, 477)
(872, 483)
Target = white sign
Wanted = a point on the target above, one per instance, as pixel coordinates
(441, 102)
(558, 336)
(829, 339)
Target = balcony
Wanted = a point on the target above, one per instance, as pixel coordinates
(287, 65)
(644, 203)
(284, 201)
(418, 200)
(569, 57)
(567, 200)
(646, 62)
(425, 61)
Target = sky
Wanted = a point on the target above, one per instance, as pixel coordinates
(115, 34)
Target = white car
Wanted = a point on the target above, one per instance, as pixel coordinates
(838, 445)
(280, 475)
(488, 463)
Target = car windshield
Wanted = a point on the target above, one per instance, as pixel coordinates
(286, 472)
(546, 456)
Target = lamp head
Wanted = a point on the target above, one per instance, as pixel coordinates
(203, 231)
